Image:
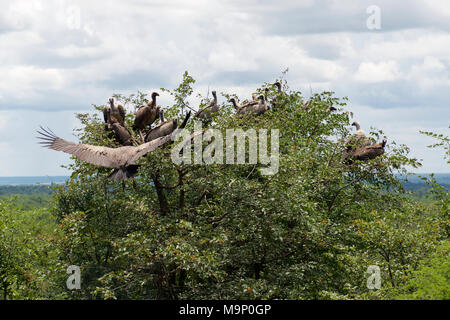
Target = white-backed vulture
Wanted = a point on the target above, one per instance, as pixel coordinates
(369, 152)
(278, 85)
(261, 107)
(117, 111)
(121, 133)
(147, 114)
(359, 139)
(165, 127)
(254, 107)
(210, 108)
(239, 108)
(122, 159)
(356, 141)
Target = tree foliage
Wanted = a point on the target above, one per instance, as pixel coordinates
(224, 231)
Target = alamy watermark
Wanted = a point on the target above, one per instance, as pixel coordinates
(74, 280)
(373, 22)
(374, 280)
(233, 146)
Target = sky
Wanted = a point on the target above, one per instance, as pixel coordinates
(58, 57)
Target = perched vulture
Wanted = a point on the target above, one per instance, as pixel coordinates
(147, 114)
(359, 139)
(117, 111)
(210, 108)
(329, 109)
(165, 127)
(261, 107)
(274, 101)
(121, 133)
(278, 85)
(306, 105)
(253, 107)
(239, 108)
(369, 152)
(122, 159)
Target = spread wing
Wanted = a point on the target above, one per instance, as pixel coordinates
(143, 149)
(96, 155)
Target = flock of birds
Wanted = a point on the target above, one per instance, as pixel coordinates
(123, 159)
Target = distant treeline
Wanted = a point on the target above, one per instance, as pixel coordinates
(9, 190)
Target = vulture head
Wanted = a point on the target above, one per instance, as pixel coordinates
(278, 85)
(161, 115)
(357, 125)
(154, 95)
(331, 109)
(262, 98)
(214, 94)
(111, 102)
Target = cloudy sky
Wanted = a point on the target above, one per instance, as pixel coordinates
(58, 57)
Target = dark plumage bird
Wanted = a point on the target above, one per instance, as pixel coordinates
(278, 85)
(238, 107)
(116, 110)
(122, 159)
(121, 133)
(369, 152)
(147, 114)
(165, 127)
(209, 109)
(261, 107)
(253, 107)
(359, 139)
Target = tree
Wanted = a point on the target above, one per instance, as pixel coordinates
(221, 231)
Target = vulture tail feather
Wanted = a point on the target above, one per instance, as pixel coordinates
(123, 174)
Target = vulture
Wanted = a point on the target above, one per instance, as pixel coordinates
(278, 85)
(165, 127)
(147, 114)
(306, 105)
(329, 109)
(210, 108)
(121, 133)
(369, 152)
(239, 108)
(256, 107)
(357, 142)
(275, 99)
(359, 139)
(122, 159)
(116, 110)
(261, 107)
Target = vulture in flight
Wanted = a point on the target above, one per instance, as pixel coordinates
(122, 159)
(210, 108)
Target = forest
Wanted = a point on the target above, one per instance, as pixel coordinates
(313, 230)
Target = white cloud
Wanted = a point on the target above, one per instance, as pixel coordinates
(51, 64)
(377, 72)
